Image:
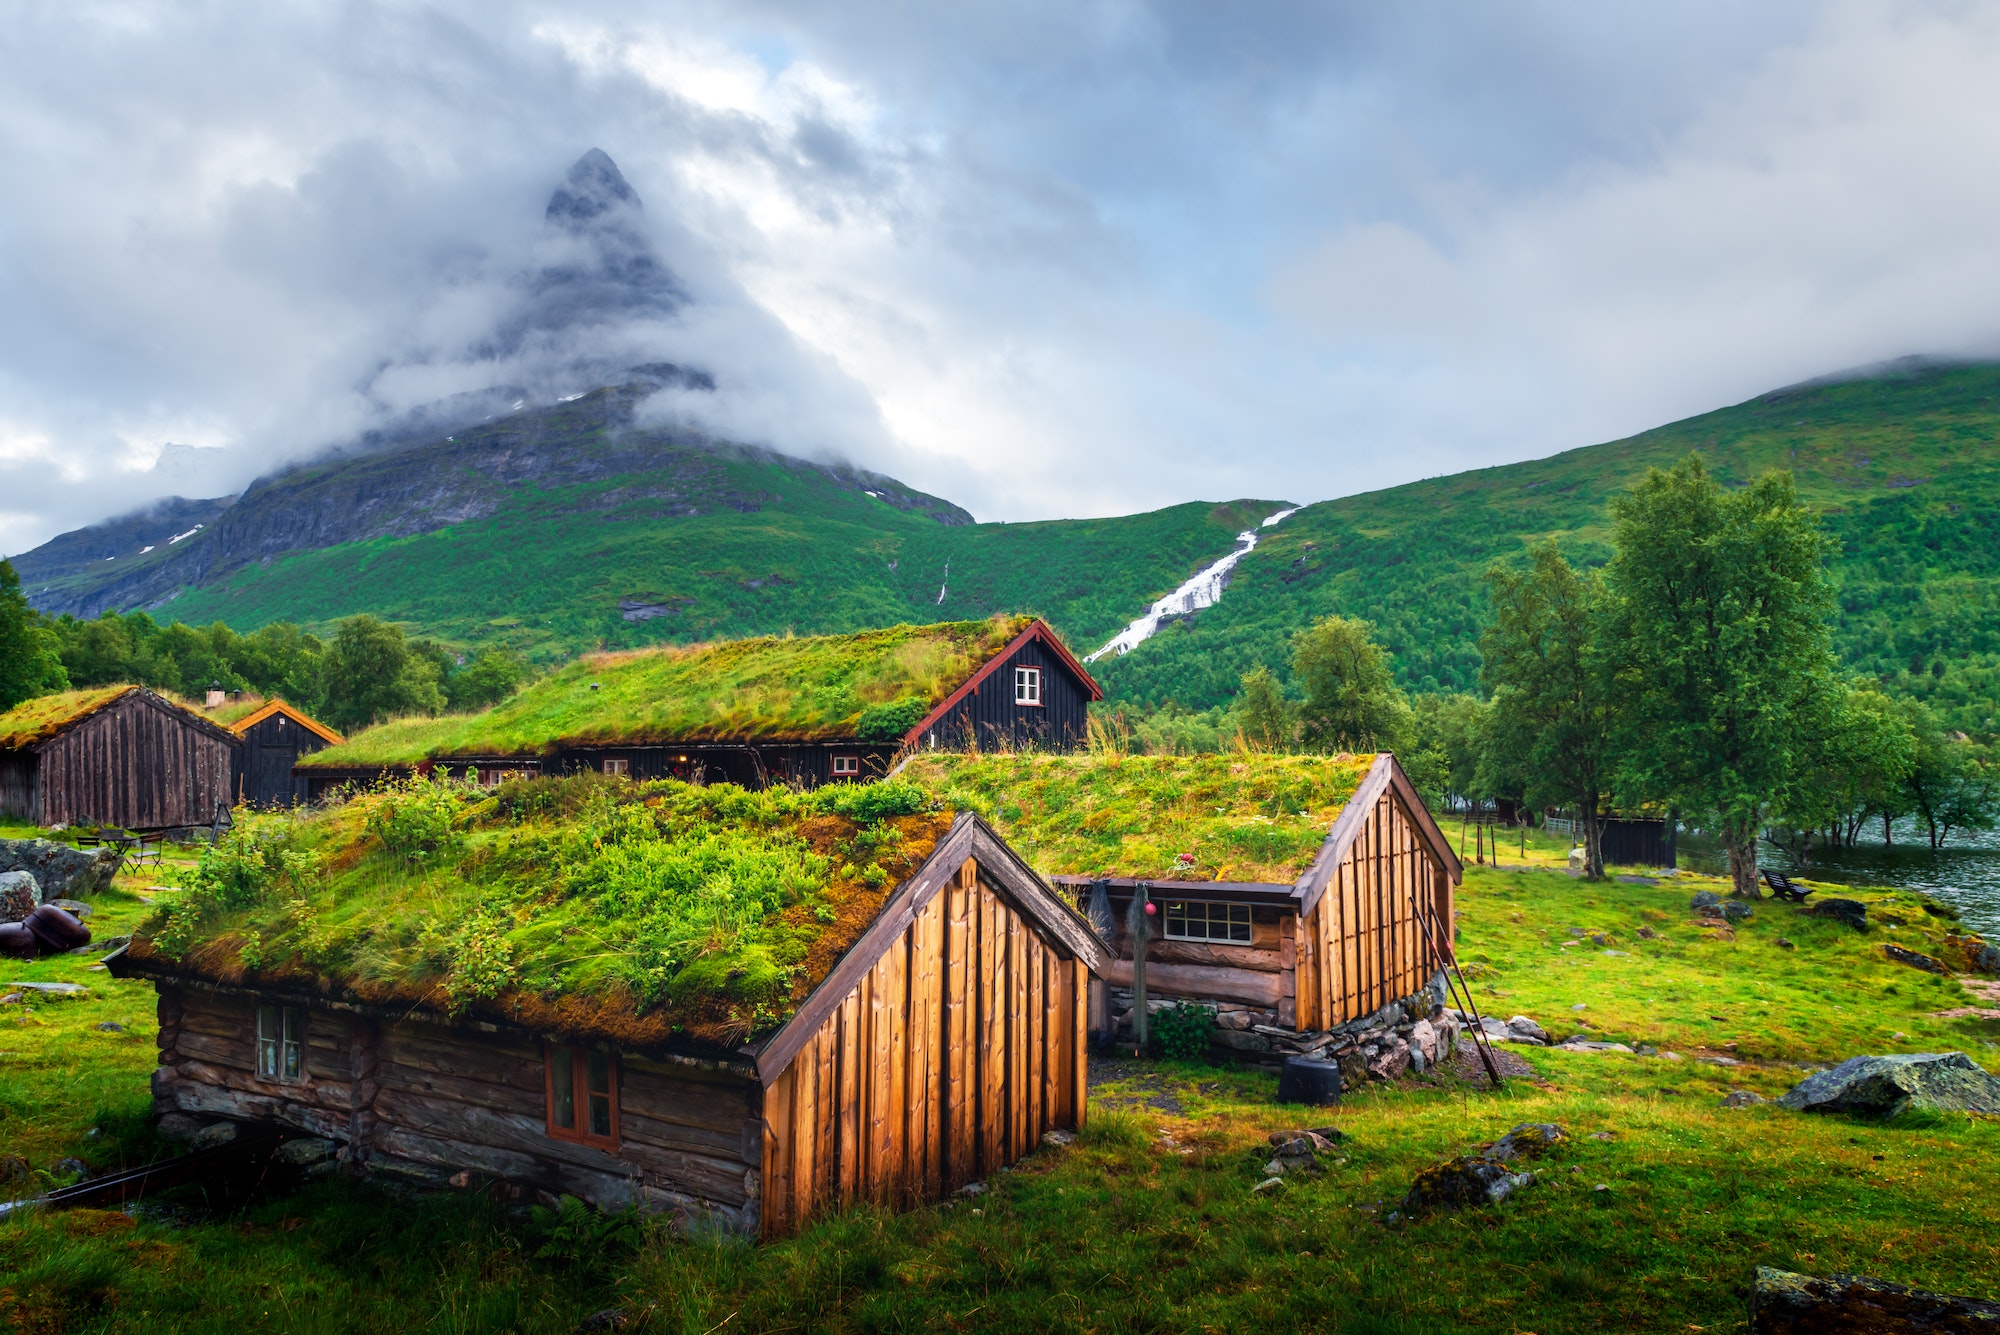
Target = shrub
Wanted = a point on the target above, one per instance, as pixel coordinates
(887, 722)
(418, 819)
(246, 867)
(1183, 1031)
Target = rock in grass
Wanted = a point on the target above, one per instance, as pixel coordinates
(1850, 911)
(1743, 1098)
(1704, 899)
(1268, 1184)
(1886, 1085)
(59, 870)
(214, 1136)
(1467, 1180)
(54, 991)
(1784, 1303)
(1530, 1140)
(305, 1151)
(1916, 960)
(1735, 910)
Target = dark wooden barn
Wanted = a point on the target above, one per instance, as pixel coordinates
(274, 737)
(1633, 841)
(114, 755)
(796, 710)
(940, 1045)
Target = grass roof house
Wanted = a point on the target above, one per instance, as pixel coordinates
(116, 755)
(1299, 893)
(275, 737)
(778, 709)
(749, 1006)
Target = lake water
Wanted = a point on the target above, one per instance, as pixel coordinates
(1965, 873)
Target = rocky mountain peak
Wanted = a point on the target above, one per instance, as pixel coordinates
(593, 188)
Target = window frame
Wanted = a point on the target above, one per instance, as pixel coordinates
(846, 767)
(1028, 688)
(289, 1041)
(577, 1059)
(618, 767)
(1230, 920)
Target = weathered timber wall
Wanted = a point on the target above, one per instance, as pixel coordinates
(18, 794)
(264, 762)
(1249, 973)
(987, 718)
(447, 1098)
(953, 1056)
(1369, 940)
(138, 764)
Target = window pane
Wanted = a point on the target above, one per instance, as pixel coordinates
(267, 1041)
(1239, 922)
(562, 1094)
(600, 1094)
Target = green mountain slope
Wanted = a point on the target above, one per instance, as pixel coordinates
(566, 528)
(1905, 467)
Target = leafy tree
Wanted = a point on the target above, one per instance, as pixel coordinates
(1447, 740)
(1352, 702)
(1552, 734)
(1720, 647)
(369, 673)
(1855, 766)
(1949, 787)
(30, 662)
(496, 674)
(1265, 719)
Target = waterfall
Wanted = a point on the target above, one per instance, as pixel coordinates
(1203, 589)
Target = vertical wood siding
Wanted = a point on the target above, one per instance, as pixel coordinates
(960, 1048)
(1369, 939)
(264, 762)
(135, 764)
(988, 718)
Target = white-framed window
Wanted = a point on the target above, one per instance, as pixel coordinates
(618, 766)
(1204, 920)
(281, 1043)
(846, 767)
(1027, 686)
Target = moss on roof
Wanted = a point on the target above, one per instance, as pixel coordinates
(874, 685)
(586, 905)
(230, 712)
(37, 720)
(1236, 817)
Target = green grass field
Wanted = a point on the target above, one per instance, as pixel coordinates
(1149, 1224)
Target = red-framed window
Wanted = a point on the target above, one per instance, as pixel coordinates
(582, 1088)
(1027, 686)
(846, 767)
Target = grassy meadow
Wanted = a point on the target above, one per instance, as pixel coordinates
(1651, 1218)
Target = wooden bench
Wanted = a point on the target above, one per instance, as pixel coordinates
(1783, 887)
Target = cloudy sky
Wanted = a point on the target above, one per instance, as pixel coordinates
(1043, 258)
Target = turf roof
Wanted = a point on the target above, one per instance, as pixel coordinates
(1232, 817)
(37, 720)
(590, 906)
(774, 688)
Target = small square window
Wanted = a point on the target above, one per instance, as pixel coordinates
(582, 1095)
(618, 766)
(1027, 686)
(281, 1043)
(846, 767)
(1201, 920)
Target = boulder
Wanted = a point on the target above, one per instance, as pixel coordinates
(213, 1136)
(1884, 1086)
(62, 872)
(1784, 1303)
(1916, 961)
(1520, 1026)
(1743, 1098)
(1987, 960)
(75, 908)
(1704, 899)
(1391, 1061)
(18, 895)
(1530, 1140)
(1457, 1183)
(1850, 911)
(305, 1151)
(1735, 910)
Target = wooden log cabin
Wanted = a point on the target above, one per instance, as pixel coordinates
(1295, 893)
(923, 1045)
(114, 755)
(794, 710)
(272, 736)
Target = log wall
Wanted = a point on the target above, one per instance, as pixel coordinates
(1373, 937)
(952, 1057)
(441, 1099)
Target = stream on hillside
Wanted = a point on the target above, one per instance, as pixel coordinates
(1965, 873)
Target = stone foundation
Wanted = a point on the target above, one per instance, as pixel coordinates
(1410, 1035)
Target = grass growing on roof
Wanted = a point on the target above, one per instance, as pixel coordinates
(587, 905)
(875, 684)
(1239, 817)
(43, 717)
